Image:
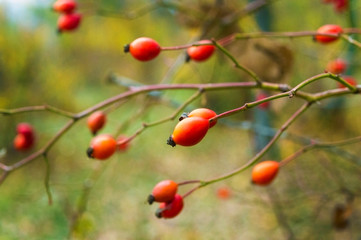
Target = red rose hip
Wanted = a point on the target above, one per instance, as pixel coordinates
(263, 173)
(163, 191)
(328, 29)
(102, 147)
(25, 137)
(69, 22)
(189, 131)
(170, 209)
(204, 113)
(25, 129)
(96, 121)
(202, 52)
(64, 6)
(143, 49)
(22, 143)
(337, 66)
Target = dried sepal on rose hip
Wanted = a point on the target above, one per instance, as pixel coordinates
(189, 131)
(203, 113)
(328, 29)
(96, 121)
(200, 53)
(170, 209)
(64, 6)
(264, 172)
(143, 49)
(69, 22)
(164, 191)
(102, 147)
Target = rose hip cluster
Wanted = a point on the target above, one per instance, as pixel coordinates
(146, 49)
(192, 127)
(25, 137)
(170, 203)
(103, 146)
(68, 20)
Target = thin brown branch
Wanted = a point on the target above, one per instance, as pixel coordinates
(36, 109)
(315, 145)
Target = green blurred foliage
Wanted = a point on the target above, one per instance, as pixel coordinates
(69, 71)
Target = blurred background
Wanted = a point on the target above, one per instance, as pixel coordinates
(317, 196)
